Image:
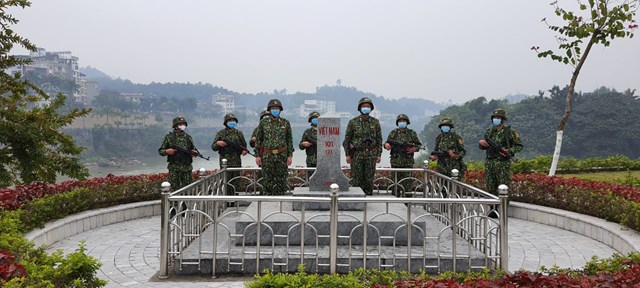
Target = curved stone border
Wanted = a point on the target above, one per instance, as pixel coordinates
(622, 239)
(85, 221)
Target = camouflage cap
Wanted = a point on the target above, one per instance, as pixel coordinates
(313, 114)
(446, 121)
(500, 113)
(274, 103)
(178, 120)
(229, 117)
(363, 101)
(403, 117)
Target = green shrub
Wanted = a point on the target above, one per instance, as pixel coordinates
(76, 269)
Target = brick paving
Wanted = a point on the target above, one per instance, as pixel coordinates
(129, 252)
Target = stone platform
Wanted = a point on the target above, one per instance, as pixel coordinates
(304, 192)
(281, 234)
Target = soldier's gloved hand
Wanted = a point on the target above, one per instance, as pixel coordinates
(306, 144)
(289, 161)
(194, 153)
(452, 154)
(259, 161)
(378, 159)
(221, 143)
(244, 152)
(483, 143)
(348, 159)
(170, 151)
(412, 149)
(387, 146)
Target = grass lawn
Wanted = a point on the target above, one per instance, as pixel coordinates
(619, 177)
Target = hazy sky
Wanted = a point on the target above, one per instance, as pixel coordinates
(438, 50)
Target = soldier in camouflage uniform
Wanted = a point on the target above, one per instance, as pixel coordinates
(179, 149)
(274, 148)
(497, 167)
(309, 140)
(402, 154)
(230, 144)
(264, 115)
(451, 148)
(363, 146)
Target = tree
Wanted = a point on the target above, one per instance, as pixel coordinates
(31, 146)
(604, 22)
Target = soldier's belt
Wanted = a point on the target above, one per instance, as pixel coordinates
(264, 151)
(367, 149)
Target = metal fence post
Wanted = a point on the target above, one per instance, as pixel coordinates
(453, 188)
(425, 176)
(333, 229)
(503, 192)
(223, 166)
(164, 231)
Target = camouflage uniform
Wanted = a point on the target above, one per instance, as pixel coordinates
(274, 144)
(403, 159)
(450, 141)
(363, 143)
(311, 135)
(252, 142)
(497, 170)
(230, 153)
(180, 168)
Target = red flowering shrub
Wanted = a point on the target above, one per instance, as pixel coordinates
(8, 269)
(598, 199)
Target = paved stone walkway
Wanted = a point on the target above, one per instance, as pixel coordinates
(129, 252)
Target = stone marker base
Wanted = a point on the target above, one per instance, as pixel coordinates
(318, 260)
(304, 192)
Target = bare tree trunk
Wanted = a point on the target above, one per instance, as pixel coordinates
(567, 107)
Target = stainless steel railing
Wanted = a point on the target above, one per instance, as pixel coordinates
(203, 207)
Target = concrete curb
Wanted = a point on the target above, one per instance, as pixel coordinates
(85, 221)
(622, 239)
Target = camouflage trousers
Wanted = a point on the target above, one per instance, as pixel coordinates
(180, 175)
(445, 167)
(496, 173)
(274, 173)
(406, 184)
(311, 163)
(363, 169)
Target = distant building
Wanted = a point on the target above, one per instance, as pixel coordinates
(321, 106)
(226, 102)
(132, 97)
(92, 91)
(59, 64)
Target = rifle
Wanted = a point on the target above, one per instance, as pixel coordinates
(185, 151)
(501, 151)
(398, 147)
(237, 147)
(440, 155)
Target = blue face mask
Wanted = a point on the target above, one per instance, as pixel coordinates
(496, 121)
(232, 124)
(275, 112)
(314, 121)
(402, 124)
(445, 129)
(365, 110)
